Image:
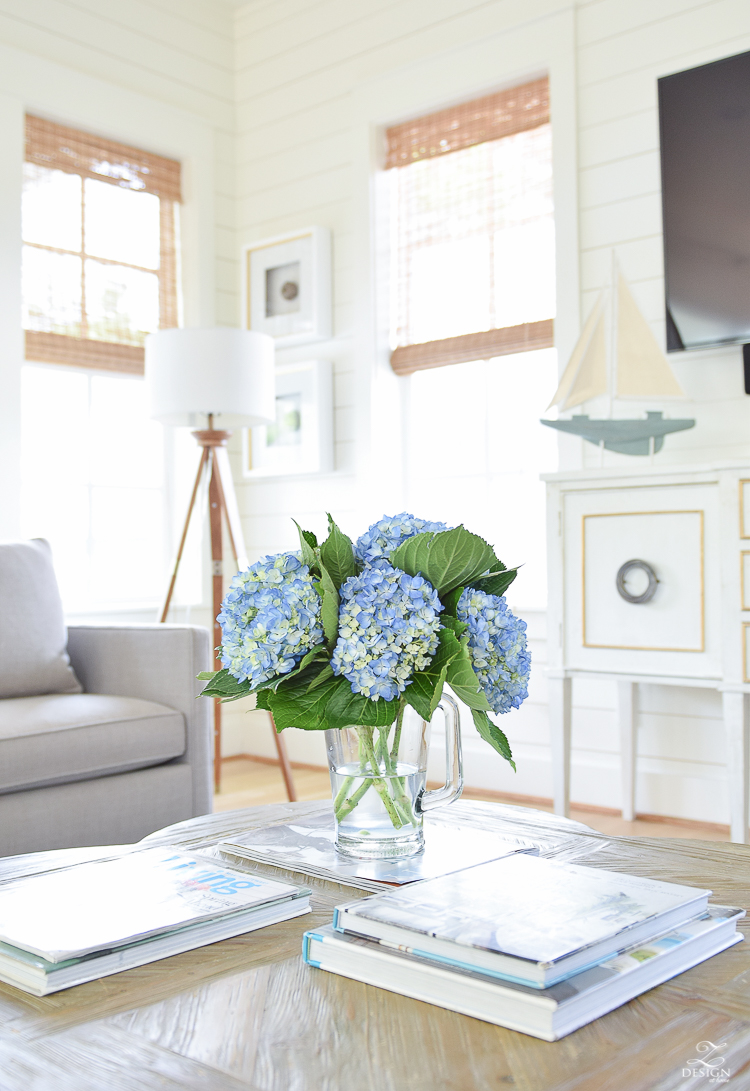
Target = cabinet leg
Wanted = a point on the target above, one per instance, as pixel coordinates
(560, 690)
(626, 718)
(736, 726)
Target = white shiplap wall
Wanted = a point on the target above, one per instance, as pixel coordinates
(622, 50)
(177, 53)
(301, 71)
(156, 74)
(281, 85)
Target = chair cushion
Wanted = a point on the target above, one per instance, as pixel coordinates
(65, 737)
(33, 636)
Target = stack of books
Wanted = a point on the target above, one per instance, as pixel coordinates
(61, 928)
(536, 945)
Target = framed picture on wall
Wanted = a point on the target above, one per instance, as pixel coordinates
(301, 440)
(287, 286)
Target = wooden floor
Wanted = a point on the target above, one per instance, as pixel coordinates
(247, 783)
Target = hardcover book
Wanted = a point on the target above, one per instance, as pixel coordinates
(545, 1013)
(525, 918)
(104, 904)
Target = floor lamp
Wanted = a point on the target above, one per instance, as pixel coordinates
(225, 373)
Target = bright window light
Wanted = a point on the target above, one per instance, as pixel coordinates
(474, 452)
(474, 239)
(472, 250)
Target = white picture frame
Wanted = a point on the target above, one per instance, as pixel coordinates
(301, 442)
(287, 286)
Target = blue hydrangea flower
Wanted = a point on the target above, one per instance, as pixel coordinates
(269, 619)
(388, 626)
(497, 646)
(375, 545)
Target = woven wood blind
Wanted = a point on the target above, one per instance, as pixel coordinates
(472, 218)
(91, 294)
(488, 118)
(62, 148)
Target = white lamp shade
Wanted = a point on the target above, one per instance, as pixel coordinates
(224, 371)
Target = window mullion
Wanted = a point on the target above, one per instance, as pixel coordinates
(84, 316)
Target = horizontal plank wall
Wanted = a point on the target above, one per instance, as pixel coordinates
(298, 63)
(177, 53)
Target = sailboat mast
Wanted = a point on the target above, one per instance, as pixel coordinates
(614, 317)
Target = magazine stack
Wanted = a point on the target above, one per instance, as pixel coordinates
(535, 945)
(62, 927)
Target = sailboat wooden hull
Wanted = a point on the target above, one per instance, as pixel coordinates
(628, 437)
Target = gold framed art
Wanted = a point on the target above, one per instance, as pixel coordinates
(287, 286)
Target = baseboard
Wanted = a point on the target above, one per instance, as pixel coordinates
(523, 800)
(262, 760)
(592, 808)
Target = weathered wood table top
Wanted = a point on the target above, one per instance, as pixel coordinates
(248, 1014)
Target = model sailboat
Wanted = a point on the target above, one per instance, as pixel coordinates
(637, 368)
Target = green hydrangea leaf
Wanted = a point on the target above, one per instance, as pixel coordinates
(224, 685)
(346, 709)
(329, 605)
(426, 686)
(448, 559)
(497, 583)
(464, 682)
(323, 676)
(492, 734)
(206, 676)
(456, 626)
(315, 654)
(261, 700)
(450, 602)
(337, 554)
(295, 705)
(308, 546)
(412, 554)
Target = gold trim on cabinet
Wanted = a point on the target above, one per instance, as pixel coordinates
(745, 627)
(745, 605)
(642, 647)
(743, 481)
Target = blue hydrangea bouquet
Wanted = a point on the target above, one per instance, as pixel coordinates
(341, 634)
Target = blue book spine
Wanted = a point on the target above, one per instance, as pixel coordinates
(306, 948)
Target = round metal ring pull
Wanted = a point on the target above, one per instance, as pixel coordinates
(622, 573)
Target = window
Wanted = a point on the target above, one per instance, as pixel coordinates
(472, 230)
(99, 273)
(472, 265)
(100, 248)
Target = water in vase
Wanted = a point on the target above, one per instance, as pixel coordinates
(378, 816)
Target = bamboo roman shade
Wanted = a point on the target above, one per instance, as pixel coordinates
(100, 248)
(472, 220)
(489, 118)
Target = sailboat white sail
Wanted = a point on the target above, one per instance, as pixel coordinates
(585, 376)
(642, 368)
(637, 368)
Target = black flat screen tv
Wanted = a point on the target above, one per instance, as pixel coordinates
(704, 118)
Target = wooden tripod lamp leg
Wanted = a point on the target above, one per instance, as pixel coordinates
(226, 499)
(183, 539)
(217, 581)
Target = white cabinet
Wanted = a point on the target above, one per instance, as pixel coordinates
(691, 527)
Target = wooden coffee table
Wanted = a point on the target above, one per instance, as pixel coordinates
(247, 1013)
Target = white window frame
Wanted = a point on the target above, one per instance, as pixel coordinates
(31, 84)
(513, 55)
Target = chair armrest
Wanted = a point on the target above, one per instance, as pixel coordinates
(157, 663)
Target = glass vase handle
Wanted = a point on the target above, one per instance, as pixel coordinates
(454, 769)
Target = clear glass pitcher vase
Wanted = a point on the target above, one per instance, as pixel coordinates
(378, 778)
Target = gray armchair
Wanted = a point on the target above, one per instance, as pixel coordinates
(130, 754)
